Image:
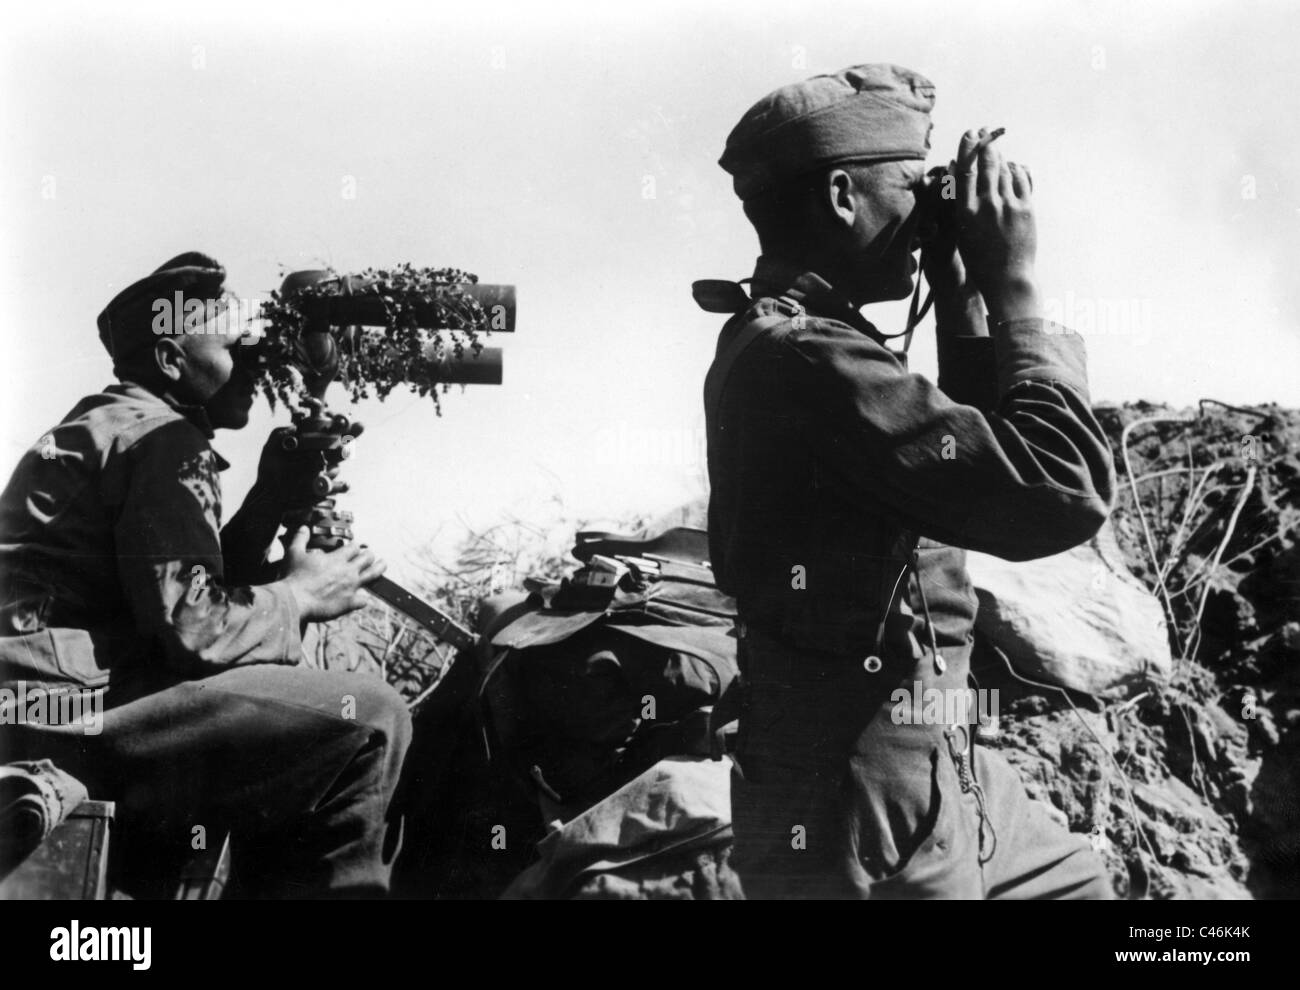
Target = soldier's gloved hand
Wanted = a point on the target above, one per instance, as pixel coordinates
(328, 584)
(996, 231)
(287, 475)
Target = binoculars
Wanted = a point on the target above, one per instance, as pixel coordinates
(934, 192)
(939, 186)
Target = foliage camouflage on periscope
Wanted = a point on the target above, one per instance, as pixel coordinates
(378, 358)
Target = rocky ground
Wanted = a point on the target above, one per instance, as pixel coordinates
(1191, 787)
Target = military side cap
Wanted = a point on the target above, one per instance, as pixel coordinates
(127, 322)
(862, 113)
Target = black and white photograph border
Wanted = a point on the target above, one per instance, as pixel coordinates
(649, 451)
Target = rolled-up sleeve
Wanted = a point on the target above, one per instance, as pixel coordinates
(170, 563)
(1029, 476)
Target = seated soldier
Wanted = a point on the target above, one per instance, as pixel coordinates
(116, 577)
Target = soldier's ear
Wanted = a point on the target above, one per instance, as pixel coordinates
(169, 355)
(838, 192)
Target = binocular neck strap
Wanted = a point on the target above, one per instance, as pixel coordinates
(916, 310)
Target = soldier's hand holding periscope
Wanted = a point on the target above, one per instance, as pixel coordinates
(996, 232)
(328, 584)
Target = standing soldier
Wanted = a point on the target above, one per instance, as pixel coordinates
(843, 486)
(116, 577)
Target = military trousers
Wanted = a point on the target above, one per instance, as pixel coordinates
(832, 798)
(299, 765)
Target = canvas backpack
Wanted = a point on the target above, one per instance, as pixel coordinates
(594, 679)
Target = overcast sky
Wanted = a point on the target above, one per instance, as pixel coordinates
(571, 149)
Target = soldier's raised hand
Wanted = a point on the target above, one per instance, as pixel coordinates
(996, 230)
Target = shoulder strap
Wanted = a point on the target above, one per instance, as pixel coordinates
(716, 380)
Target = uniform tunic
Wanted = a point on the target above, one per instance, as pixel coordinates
(833, 468)
(112, 580)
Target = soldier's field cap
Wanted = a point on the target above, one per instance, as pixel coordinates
(862, 113)
(127, 322)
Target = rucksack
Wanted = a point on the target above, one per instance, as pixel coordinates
(592, 680)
